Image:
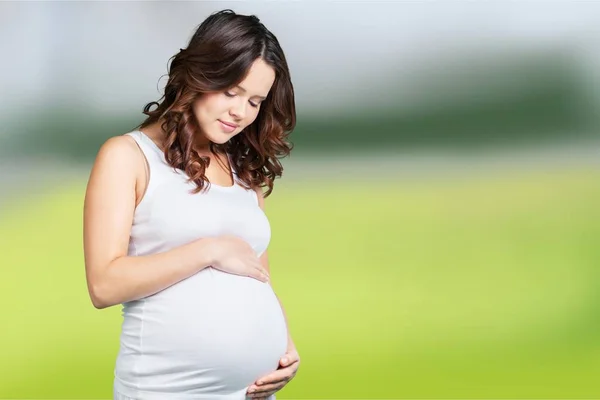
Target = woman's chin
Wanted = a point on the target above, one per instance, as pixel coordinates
(221, 138)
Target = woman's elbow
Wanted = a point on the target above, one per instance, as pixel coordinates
(100, 295)
(99, 303)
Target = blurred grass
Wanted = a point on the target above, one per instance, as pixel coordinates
(466, 288)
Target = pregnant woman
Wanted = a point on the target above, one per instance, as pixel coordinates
(175, 228)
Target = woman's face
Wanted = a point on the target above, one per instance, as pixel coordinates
(223, 115)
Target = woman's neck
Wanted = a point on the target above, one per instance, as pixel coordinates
(155, 132)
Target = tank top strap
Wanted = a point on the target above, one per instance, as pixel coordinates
(151, 151)
(156, 158)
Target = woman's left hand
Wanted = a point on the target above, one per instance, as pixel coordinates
(275, 381)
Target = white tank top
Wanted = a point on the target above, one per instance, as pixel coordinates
(214, 334)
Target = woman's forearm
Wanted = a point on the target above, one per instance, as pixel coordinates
(130, 278)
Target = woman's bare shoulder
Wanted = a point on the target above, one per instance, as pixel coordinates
(121, 150)
(118, 146)
(119, 156)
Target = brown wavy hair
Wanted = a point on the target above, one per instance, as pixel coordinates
(218, 57)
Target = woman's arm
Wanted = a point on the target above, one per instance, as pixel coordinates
(112, 276)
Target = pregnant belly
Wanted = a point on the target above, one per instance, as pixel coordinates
(211, 334)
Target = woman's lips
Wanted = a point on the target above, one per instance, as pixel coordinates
(227, 126)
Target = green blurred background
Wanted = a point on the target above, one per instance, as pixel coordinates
(434, 234)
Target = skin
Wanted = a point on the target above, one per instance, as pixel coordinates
(239, 105)
(116, 186)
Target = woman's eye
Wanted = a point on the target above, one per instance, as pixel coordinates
(255, 105)
(228, 94)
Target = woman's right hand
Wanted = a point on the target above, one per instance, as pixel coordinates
(235, 256)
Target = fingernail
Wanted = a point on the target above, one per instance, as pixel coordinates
(284, 360)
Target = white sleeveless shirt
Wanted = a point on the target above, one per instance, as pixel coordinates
(213, 334)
